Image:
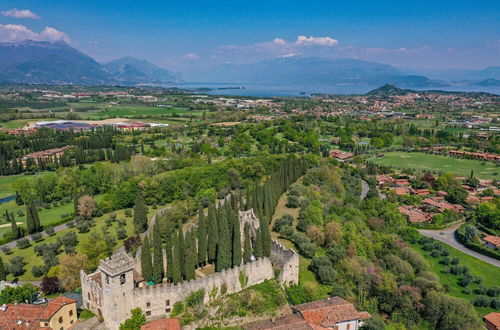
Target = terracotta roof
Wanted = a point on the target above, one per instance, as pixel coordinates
(162, 324)
(292, 321)
(328, 312)
(493, 318)
(495, 240)
(54, 305)
(21, 316)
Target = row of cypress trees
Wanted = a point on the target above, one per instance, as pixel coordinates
(217, 239)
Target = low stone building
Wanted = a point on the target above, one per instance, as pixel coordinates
(117, 287)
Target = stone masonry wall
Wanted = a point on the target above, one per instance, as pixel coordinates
(288, 261)
(159, 299)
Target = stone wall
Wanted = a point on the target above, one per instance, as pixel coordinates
(288, 262)
(91, 292)
(159, 299)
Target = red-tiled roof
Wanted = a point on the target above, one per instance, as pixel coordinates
(162, 324)
(494, 319)
(328, 312)
(495, 240)
(54, 305)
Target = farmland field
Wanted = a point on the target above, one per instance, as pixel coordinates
(422, 161)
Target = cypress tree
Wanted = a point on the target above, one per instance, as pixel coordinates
(247, 247)
(30, 221)
(176, 269)
(236, 242)
(202, 237)
(189, 258)
(36, 218)
(140, 214)
(213, 234)
(257, 249)
(265, 236)
(158, 268)
(146, 262)
(224, 245)
(170, 259)
(3, 270)
(15, 230)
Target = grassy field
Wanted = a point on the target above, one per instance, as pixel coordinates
(32, 259)
(422, 161)
(488, 272)
(6, 184)
(102, 111)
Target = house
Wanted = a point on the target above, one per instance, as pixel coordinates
(383, 179)
(492, 321)
(493, 242)
(59, 313)
(162, 324)
(414, 215)
(341, 155)
(422, 192)
(400, 191)
(442, 205)
(401, 182)
(330, 313)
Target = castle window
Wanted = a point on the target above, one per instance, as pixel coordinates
(46, 324)
(60, 319)
(148, 313)
(122, 279)
(148, 304)
(167, 302)
(107, 279)
(71, 313)
(88, 295)
(167, 310)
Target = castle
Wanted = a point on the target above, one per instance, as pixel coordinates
(117, 287)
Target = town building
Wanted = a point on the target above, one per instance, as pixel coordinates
(493, 242)
(330, 313)
(341, 155)
(57, 314)
(162, 324)
(492, 321)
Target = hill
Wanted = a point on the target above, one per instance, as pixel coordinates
(300, 70)
(43, 62)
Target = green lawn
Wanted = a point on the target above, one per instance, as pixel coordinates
(422, 161)
(6, 184)
(488, 272)
(133, 110)
(32, 259)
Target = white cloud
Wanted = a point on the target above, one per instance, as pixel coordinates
(17, 32)
(316, 41)
(191, 56)
(20, 13)
(279, 41)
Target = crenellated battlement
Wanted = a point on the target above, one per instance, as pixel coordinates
(288, 261)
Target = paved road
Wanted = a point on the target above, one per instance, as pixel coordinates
(447, 236)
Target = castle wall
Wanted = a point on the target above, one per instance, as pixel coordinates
(91, 293)
(158, 300)
(288, 262)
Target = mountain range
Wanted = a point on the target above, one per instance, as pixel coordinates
(42, 62)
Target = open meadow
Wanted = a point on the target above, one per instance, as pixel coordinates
(438, 163)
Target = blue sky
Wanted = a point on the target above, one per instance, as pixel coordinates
(183, 34)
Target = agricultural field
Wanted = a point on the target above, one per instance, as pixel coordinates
(104, 111)
(488, 272)
(438, 163)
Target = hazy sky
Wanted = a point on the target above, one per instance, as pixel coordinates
(181, 34)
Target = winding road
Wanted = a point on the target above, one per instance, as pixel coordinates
(448, 236)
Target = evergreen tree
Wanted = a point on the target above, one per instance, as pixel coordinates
(140, 214)
(30, 221)
(213, 234)
(170, 260)
(158, 268)
(36, 218)
(257, 249)
(190, 257)
(11, 218)
(3, 270)
(202, 237)
(265, 237)
(176, 269)
(247, 245)
(224, 244)
(146, 262)
(236, 255)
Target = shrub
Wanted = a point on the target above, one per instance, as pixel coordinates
(37, 271)
(495, 303)
(322, 267)
(5, 249)
(481, 301)
(37, 237)
(50, 231)
(83, 227)
(23, 243)
(494, 291)
(70, 224)
(285, 220)
(195, 298)
(16, 266)
(128, 213)
(177, 309)
(121, 233)
(50, 285)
